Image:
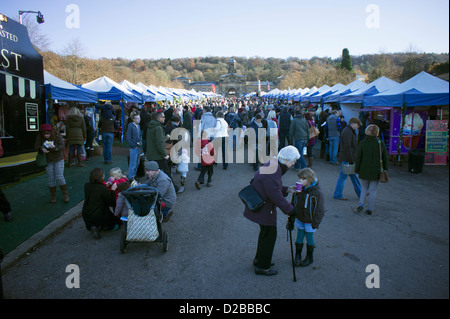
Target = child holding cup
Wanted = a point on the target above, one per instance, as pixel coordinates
(309, 203)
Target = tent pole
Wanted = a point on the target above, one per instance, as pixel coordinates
(400, 143)
(122, 118)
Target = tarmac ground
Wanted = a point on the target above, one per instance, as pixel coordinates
(403, 246)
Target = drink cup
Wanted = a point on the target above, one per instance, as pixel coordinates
(299, 186)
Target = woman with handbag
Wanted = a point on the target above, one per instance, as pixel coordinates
(51, 144)
(268, 184)
(371, 159)
(348, 144)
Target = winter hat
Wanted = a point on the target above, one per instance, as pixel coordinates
(45, 127)
(372, 130)
(151, 166)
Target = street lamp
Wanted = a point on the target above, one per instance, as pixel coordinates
(39, 17)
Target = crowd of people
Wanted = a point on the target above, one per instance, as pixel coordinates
(219, 124)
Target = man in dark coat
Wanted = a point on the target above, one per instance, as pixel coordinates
(155, 148)
(348, 143)
(284, 122)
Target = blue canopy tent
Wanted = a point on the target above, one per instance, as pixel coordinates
(109, 90)
(305, 93)
(138, 91)
(379, 85)
(351, 103)
(153, 95)
(319, 91)
(317, 98)
(299, 93)
(349, 88)
(160, 94)
(420, 90)
(408, 103)
(58, 89)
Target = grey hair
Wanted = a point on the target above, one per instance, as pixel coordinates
(288, 154)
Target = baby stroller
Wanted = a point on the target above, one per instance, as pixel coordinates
(143, 223)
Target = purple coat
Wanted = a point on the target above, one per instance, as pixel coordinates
(271, 189)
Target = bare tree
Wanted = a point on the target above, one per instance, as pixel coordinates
(37, 38)
(73, 60)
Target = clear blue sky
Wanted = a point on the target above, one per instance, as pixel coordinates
(245, 28)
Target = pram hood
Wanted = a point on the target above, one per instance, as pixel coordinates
(142, 198)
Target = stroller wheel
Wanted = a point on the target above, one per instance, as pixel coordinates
(123, 243)
(165, 241)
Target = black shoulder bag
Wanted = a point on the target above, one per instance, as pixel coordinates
(250, 197)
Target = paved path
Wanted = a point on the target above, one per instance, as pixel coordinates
(211, 247)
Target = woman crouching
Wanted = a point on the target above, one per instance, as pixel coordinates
(98, 198)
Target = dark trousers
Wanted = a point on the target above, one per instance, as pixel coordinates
(283, 136)
(266, 244)
(206, 169)
(5, 207)
(164, 166)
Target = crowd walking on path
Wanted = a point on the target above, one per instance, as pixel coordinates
(280, 137)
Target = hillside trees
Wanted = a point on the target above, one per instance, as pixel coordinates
(71, 65)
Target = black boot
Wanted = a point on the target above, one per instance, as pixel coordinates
(95, 232)
(298, 254)
(309, 256)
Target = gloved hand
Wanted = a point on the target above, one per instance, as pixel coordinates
(291, 220)
(290, 223)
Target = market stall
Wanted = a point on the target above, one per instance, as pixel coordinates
(22, 106)
(409, 105)
(116, 94)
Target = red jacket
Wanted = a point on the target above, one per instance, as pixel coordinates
(206, 152)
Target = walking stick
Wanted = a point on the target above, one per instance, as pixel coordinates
(290, 226)
(292, 255)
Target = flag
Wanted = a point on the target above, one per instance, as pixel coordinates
(259, 85)
(268, 86)
(214, 88)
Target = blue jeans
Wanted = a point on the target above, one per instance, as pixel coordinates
(74, 147)
(165, 211)
(107, 142)
(341, 183)
(333, 148)
(301, 161)
(134, 162)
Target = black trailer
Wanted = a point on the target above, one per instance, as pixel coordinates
(22, 100)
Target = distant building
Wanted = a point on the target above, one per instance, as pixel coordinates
(362, 77)
(231, 84)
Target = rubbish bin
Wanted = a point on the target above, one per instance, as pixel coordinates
(416, 160)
